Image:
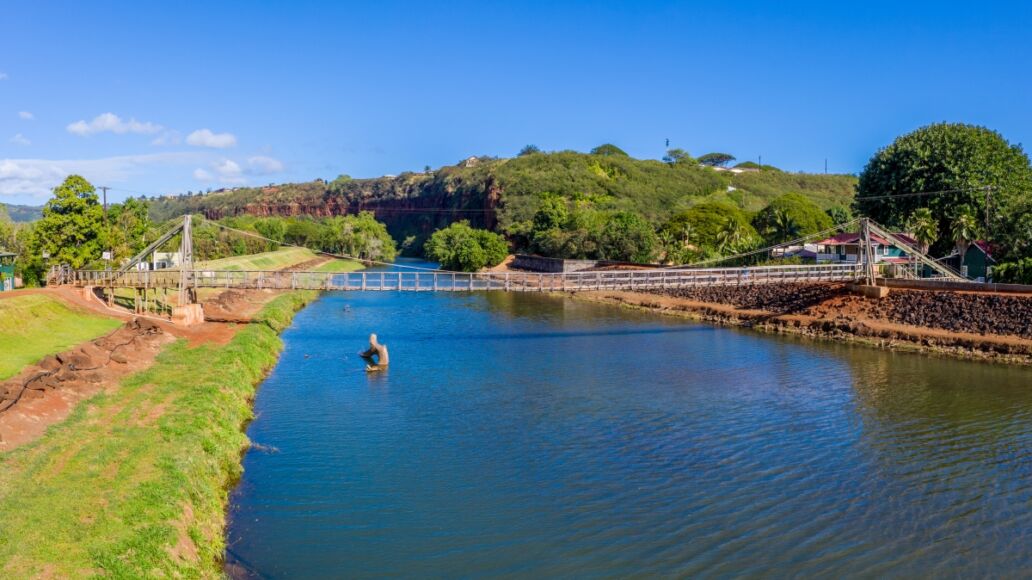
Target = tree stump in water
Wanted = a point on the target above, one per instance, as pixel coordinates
(377, 350)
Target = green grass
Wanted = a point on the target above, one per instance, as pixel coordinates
(34, 326)
(135, 483)
(339, 266)
(282, 258)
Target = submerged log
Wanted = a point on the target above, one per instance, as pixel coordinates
(377, 353)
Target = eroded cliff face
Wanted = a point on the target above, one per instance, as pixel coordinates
(410, 205)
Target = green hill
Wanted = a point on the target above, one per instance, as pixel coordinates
(497, 193)
(21, 213)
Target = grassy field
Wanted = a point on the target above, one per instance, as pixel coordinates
(339, 266)
(282, 258)
(135, 483)
(34, 326)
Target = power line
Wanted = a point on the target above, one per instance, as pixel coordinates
(924, 193)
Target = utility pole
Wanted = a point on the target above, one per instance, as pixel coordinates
(825, 166)
(107, 229)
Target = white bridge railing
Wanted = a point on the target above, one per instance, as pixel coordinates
(464, 282)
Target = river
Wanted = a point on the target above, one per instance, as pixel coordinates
(528, 435)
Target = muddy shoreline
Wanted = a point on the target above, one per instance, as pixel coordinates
(830, 312)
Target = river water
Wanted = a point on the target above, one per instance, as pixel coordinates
(527, 435)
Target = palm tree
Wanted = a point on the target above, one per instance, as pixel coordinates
(964, 230)
(925, 228)
(785, 227)
(732, 237)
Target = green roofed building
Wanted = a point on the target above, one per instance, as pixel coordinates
(7, 271)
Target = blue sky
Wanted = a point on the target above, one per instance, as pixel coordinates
(192, 95)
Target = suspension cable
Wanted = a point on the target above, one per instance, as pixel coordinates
(818, 235)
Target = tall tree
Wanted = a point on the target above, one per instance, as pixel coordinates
(71, 227)
(955, 165)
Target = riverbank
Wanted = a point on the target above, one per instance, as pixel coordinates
(971, 325)
(135, 481)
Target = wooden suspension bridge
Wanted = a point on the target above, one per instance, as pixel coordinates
(187, 279)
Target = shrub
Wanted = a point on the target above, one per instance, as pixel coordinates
(460, 247)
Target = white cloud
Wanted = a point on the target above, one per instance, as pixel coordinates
(260, 165)
(110, 122)
(38, 176)
(20, 139)
(205, 138)
(225, 171)
(26, 116)
(170, 137)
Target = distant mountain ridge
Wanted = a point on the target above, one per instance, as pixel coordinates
(496, 193)
(22, 213)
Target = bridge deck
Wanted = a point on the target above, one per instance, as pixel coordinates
(419, 281)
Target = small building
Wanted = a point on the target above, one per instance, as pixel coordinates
(845, 248)
(163, 260)
(7, 271)
(978, 261)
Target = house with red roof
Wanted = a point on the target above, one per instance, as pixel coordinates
(845, 248)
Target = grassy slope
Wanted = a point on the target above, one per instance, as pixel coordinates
(34, 326)
(135, 483)
(282, 258)
(339, 266)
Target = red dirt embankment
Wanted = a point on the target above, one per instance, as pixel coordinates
(966, 324)
(46, 393)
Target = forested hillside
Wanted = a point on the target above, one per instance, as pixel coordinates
(20, 213)
(504, 194)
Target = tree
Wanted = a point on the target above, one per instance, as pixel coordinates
(553, 213)
(360, 236)
(774, 221)
(677, 156)
(964, 230)
(72, 223)
(129, 225)
(734, 236)
(461, 247)
(609, 150)
(701, 224)
(529, 150)
(925, 228)
(784, 227)
(840, 215)
(964, 165)
(716, 159)
(628, 236)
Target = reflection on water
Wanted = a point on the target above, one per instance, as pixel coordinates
(520, 434)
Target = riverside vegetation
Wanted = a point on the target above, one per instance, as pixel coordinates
(135, 482)
(950, 184)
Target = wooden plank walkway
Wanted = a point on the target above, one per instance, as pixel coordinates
(437, 281)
